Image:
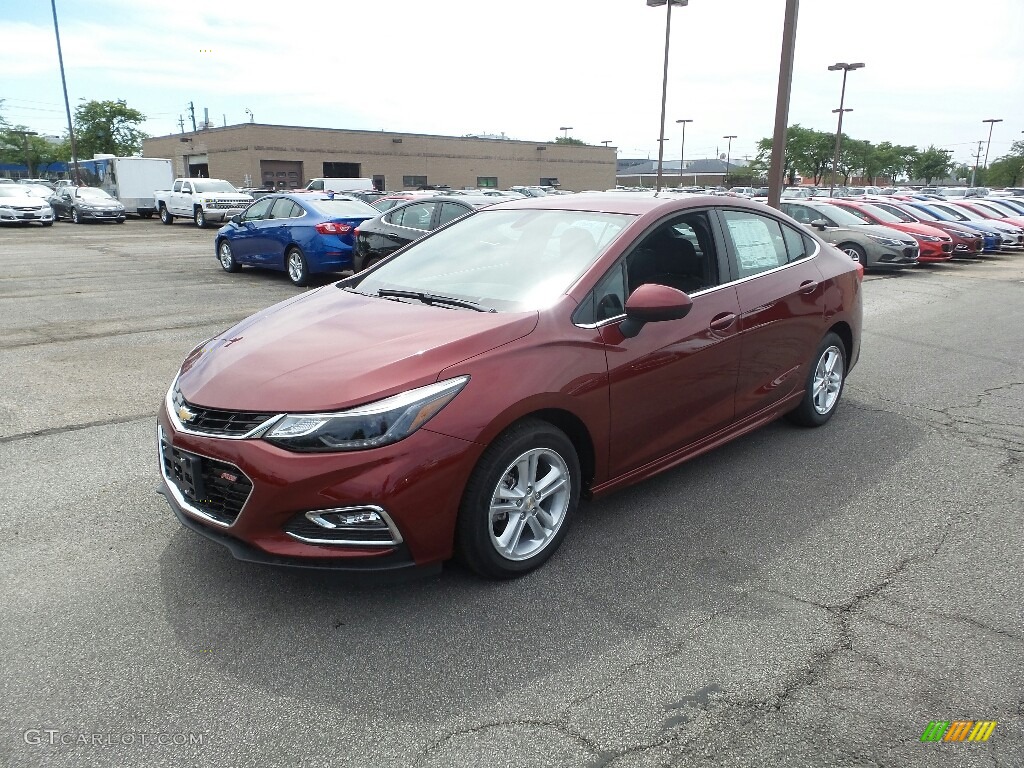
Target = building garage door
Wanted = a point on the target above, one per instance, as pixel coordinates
(281, 174)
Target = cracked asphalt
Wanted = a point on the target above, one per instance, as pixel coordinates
(796, 598)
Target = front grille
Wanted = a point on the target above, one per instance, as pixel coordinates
(35, 208)
(378, 535)
(216, 421)
(225, 204)
(910, 253)
(947, 248)
(215, 488)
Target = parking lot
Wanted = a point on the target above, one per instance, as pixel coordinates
(798, 597)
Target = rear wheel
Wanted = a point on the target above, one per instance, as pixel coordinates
(298, 270)
(227, 258)
(165, 215)
(519, 501)
(824, 385)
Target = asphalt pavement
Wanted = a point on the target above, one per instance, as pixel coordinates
(796, 598)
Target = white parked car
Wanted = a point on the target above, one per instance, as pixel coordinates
(17, 205)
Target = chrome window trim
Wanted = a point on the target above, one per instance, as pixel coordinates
(180, 499)
(314, 516)
(698, 294)
(255, 432)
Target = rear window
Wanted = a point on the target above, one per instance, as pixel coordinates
(343, 208)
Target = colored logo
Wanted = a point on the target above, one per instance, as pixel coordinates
(185, 414)
(958, 730)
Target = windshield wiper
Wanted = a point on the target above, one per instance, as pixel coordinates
(433, 298)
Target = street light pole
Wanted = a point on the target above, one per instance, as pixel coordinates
(565, 131)
(847, 68)
(991, 124)
(728, 160)
(664, 79)
(682, 149)
(67, 104)
(777, 171)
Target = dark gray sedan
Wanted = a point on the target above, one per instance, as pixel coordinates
(86, 203)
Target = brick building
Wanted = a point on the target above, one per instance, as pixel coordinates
(255, 155)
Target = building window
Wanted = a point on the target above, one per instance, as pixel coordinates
(341, 170)
(549, 182)
(487, 182)
(414, 181)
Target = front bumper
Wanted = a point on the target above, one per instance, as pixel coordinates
(101, 215)
(417, 481)
(892, 258)
(221, 214)
(12, 216)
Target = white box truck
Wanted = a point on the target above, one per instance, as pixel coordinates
(131, 180)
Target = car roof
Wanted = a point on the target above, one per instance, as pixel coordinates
(603, 202)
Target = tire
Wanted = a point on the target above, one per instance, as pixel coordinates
(813, 410)
(298, 269)
(226, 257)
(503, 540)
(56, 215)
(165, 215)
(120, 221)
(74, 216)
(852, 249)
(47, 223)
(145, 214)
(200, 218)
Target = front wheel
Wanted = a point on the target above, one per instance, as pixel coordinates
(824, 386)
(854, 251)
(75, 217)
(298, 270)
(165, 215)
(200, 218)
(227, 258)
(519, 501)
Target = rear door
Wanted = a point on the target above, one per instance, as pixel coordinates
(782, 307)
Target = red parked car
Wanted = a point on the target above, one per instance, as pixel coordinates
(965, 242)
(463, 395)
(935, 244)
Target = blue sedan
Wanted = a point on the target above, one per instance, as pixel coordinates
(301, 234)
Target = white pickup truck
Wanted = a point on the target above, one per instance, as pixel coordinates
(202, 200)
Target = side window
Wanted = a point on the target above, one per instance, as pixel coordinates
(798, 212)
(415, 216)
(798, 244)
(680, 254)
(450, 212)
(283, 209)
(757, 242)
(258, 210)
(177, 186)
(186, 188)
(317, 184)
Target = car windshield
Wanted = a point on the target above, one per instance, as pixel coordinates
(953, 192)
(93, 192)
(504, 260)
(895, 212)
(960, 214)
(925, 214)
(882, 215)
(342, 208)
(841, 216)
(213, 186)
(994, 210)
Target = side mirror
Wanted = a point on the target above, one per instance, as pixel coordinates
(819, 224)
(652, 303)
(236, 219)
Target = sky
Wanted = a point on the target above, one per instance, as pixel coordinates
(935, 69)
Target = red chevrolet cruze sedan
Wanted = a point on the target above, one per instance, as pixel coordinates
(462, 396)
(935, 244)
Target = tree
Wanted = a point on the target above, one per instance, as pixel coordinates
(570, 140)
(807, 151)
(1008, 170)
(109, 127)
(933, 163)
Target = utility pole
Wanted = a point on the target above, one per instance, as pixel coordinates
(67, 104)
(192, 113)
(181, 123)
(977, 160)
(777, 170)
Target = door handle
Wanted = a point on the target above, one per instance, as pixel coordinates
(808, 286)
(722, 322)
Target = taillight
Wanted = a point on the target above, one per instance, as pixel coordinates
(333, 228)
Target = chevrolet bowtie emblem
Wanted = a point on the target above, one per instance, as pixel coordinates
(185, 414)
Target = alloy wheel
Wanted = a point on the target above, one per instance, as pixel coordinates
(529, 504)
(828, 380)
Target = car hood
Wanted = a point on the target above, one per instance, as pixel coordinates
(7, 202)
(879, 230)
(919, 229)
(330, 349)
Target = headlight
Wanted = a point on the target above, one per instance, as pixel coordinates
(368, 426)
(890, 241)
